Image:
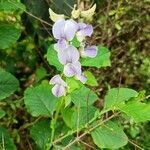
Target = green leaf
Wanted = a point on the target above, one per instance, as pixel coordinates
(39, 100)
(6, 142)
(2, 113)
(9, 34)
(53, 59)
(109, 135)
(8, 84)
(40, 132)
(67, 100)
(138, 111)
(75, 42)
(117, 96)
(67, 115)
(40, 73)
(91, 80)
(83, 97)
(11, 6)
(101, 60)
(82, 115)
(73, 84)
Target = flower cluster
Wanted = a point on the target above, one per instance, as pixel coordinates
(64, 31)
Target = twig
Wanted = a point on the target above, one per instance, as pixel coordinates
(39, 19)
(29, 124)
(46, 65)
(135, 144)
(87, 132)
(74, 131)
(86, 144)
(30, 146)
(46, 29)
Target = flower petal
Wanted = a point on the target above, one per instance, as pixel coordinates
(58, 90)
(72, 69)
(90, 52)
(54, 17)
(68, 55)
(69, 70)
(81, 26)
(57, 80)
(88, 30)
(85, 29)
(82, 78)
(70, 29)
(61, 45)
(58, 29)
(77, 66)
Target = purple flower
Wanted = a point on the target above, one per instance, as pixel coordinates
(60, 86)
(82, 78)
(89, 51)
(64, 31)
(83, 31)
(69, 57)
(72, 69)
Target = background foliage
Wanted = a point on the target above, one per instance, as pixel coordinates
(25, 38)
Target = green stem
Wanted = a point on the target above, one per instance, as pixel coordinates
(53, 122)
(83, 127)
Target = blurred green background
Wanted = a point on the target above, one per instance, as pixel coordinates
(121, 25)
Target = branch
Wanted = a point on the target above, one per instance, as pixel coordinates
(87, 132)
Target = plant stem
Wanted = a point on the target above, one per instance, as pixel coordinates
(88, 131)
(53, 122)
(74, 131)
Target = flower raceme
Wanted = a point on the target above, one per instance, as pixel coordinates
(64, 32)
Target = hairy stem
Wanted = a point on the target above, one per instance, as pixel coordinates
(53, 124)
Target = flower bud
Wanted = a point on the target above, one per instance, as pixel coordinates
(54, 17)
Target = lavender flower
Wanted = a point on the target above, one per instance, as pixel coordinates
(90, 51)
(64, 31)
(83, 31)
(69, 57)
(60, 86)
(82, 78)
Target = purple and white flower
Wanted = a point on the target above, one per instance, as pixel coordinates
(83, 31)
(64, 31)
(69, 57)
(60, 86)
(81, 78)
(90, 51)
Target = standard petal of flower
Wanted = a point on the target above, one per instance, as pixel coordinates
(69, 70)
(88, 30)
(70, 29)
(58, 90)
(57, 80)
(68, 55)
(72, 69)
(58, 29)
(90, 52)
(61, 45)
(82, 78)
(84, 29)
